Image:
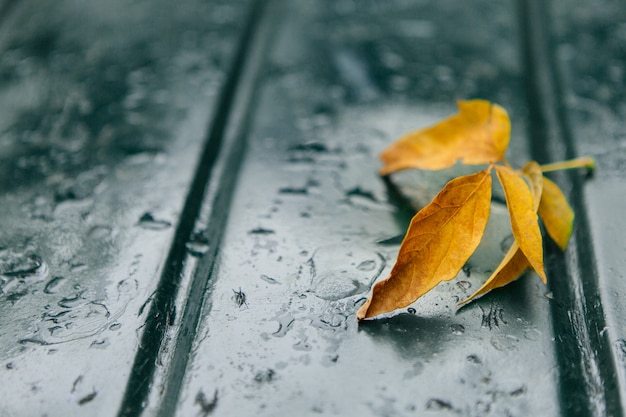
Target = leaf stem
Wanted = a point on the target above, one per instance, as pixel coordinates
(583, 162)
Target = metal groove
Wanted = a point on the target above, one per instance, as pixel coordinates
(163, 309)
(587, 377)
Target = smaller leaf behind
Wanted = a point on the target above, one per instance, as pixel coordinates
(440, 239)
(514, 262)
(524, 220)
(478, 134)
(556, 213)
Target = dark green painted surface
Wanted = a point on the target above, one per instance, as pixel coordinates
(160, 161)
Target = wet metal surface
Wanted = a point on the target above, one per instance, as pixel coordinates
(104, 109)
(192, 215)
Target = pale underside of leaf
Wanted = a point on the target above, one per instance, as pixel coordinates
(440, 239)
(478, 134)
(514, 262)
(556, 213)
(523, 212)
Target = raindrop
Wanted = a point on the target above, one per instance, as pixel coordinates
(15, 296)
(474, 359)
(198, 244)
(457, 329)
(115, 326)
(52, 286)
(302, 345)
(367, 265)
(87, 398)
(15, 264)
(54, 330)
(147, 221)
(437, 404)
(315, 147)
(293, 190)
(261, 231)
(71, 302)
(359, 192)
(197, 248)
(100, 344)
(411, 310)
(99, 232)
(269, 279)
(266, 375)
(464, 285)
(284, 324)
(335, 273)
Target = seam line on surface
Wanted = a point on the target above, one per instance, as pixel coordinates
(162, 312)
(583, 351)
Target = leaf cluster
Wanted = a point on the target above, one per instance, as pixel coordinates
(444, 234)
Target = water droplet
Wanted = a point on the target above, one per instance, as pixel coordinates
(335, 272)
(14, 297)
(367, 265)
(52, 286)
(438, 404)
(284, 324)
(269, 279)
(474, 359)
(457, 329)
(302, 345)
(115, 326)
(464, 285)
(411, 310)
(265, 375)
(99, 232)
(18, 264)
(149, 222)
(293, 190)
(261, 231)
(54, 330)
(100, 343)
(197, 248)
(72, 301)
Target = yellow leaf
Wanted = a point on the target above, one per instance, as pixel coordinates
(514, 262)
(478, 134)
(556, 213)
(440, 239)
(511, 267)
(524, 220)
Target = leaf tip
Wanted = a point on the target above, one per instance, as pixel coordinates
(361, 314)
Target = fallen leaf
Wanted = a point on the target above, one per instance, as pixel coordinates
(478, 134)
(440, 239)
(524, 219)
(556, 213)
(512, 267)
(514, 262)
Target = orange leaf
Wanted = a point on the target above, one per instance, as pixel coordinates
(556, 213)
(514, 262)
(478, 134)
(524, 220)
(511, 267)
(440, 239)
